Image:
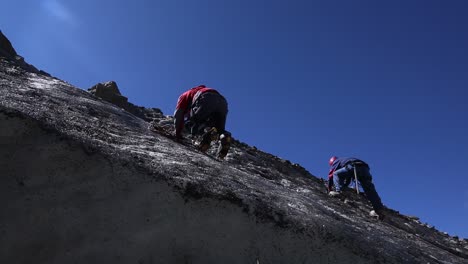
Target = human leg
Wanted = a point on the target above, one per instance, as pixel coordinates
(365, 178)
(342, 177)
(220, 113)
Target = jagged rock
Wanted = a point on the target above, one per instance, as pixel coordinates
(414, 218)
(147, 114)
(109, 92)
(6, 49)
(8, 52)
(83, 181)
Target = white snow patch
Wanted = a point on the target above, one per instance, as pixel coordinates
(155, 154)
(298, 206)
(285, 183)
(338, 213)
(91, 101)
(113, 134)
(42, 83)
(302, 190)
(176, 162)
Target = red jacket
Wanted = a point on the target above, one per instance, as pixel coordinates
(184, 104)
(186, 99)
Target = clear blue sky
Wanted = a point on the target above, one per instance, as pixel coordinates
(384, 81)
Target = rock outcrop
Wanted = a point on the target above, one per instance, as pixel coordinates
(8, 52)
(85, 181)
(109, 92)
(6, 49)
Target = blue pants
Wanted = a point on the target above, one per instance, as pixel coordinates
(345, 175)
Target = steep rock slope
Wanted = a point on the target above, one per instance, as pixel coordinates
(84, 181)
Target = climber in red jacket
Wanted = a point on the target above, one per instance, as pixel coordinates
(204, 110)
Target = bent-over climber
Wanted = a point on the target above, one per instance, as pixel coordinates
(342, 173)
(203, 110)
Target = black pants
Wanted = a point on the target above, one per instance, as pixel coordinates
(209, 110)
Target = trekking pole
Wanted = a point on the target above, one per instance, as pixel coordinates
(355, 179)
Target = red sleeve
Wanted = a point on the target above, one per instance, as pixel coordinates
(183, 101)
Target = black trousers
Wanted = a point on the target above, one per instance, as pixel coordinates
(209, 110)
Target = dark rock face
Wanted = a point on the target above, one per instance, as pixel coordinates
(84, 181)
(8, 52)
(6, 49)
(109, 92)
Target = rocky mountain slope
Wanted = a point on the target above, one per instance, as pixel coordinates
(85, 181)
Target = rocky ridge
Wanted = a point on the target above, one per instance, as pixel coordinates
(272, 194)
(108, 91)
(8, 52)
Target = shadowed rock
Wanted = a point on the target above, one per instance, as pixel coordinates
(109, 92)
(8, 52)
(6, 49)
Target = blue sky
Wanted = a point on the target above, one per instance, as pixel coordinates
(382, 81)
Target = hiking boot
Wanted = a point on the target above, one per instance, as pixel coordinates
(224, 145)
(209, 135)
(379, 214)
(374, 214)
(334, 194)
